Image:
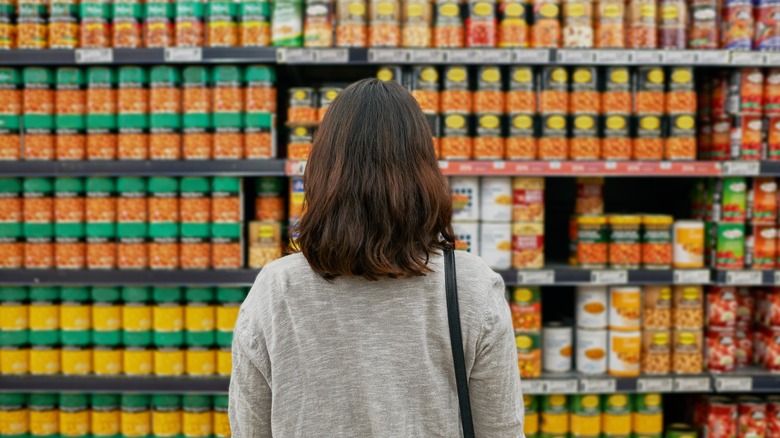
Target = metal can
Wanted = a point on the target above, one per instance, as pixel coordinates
(585, 416)
(592, 307)
(529, 355)
(761, 247)
(729, 245)
(656, 352)
(555, 415)
(648, 416)
(773, 416)
(624, 353)
(466, 236)
(721, 350)
(526, 307)
(527, 245)
(495, 242)
(657, 311)
(557, 350)
(616, 415)
(686, 351)
(743, 352)
(465, 198)
(531, 423)
(721, 307)
(680, 430)
(528, 199)
(687, 307)
(625, 308)
(591, 351)
(689, 244)
(496, 198)
(771, 343)
(751, 420)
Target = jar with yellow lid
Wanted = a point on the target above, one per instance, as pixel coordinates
(657, 241)
(592, 241)
(625, 251)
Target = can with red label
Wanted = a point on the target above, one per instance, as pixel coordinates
(773, 416)
(746, 137)
(761, 247)
(752, 417)
(746, 306)
(722, 307)
(759, 346)
(745, 92)
(772, 92)
(771, 347)
(720, 140)
(771, 310)
(721, 418)
(772, 137)
(721, 350)
(744, 346)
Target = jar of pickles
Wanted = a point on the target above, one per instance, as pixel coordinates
(657, 241)
(624, 243)
(592, 242)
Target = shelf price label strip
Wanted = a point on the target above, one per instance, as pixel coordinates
(94, 56)
(733, 384)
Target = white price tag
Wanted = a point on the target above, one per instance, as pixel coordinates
(555, 165)
(531, 56)
(296, 56)
(744, 278)
(712, 57)
(498, 165)
(536, 277)
(665, 165)
(691, 276)
(610, 165)
(654, 385)
(567, 386)
(647, 57)
(609, 277)
(183, 54)
(733, 384)
(777, 278)
(332, 56)
(772, 59)
(444, 164)
(677, 57)
(388, 55)
(298, 168)
(533, 386)
(598, 386)
(741, 168)
(426, 56)
(746, 58)
(614, 57)
(575, 56)
(496, 56)
(463, 56)
(94, 56)
(692, 384)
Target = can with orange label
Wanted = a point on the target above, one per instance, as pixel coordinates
(625, 350)
(688, 244)
(625, 308)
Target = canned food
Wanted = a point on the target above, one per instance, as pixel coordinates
(526, 307)
(585, 416)
(680, 430)
(557, 351)
(624, 244)
(496, 198)
(625, 308)
(591, 351)
(686, 351)
(688, 244)
(590, 196)
(624, 353)
(616, 415)
(657, 241)
(648, 416)
(773, 416)
(751, 420)
(657, 310)
(466, 236)
(555, 415)
(465, 198)
(771, 346)
(687, 311)
(528, 199)
(761, 247)
(721, 350)
(527, 245)
(743, 351)
(729, 248)
(762, 202)
(721, 308)
(531, 423)
(495, 245)
(656, 352)
(592, 307)
(592, 241)
(529, 354)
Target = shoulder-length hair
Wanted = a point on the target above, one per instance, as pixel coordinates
(376, 203)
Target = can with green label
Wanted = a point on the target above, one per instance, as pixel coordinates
(585, 414)
(166, 416)
(531, 423)
(555, 416)
(14, 419)
(680, 430)
(106, 416)
(616, 415)
(107, 333)
(136, 418)
(44, 330)
(729, 246)
(648, 416)
(199, 324)
(44, 415)
(137, 333)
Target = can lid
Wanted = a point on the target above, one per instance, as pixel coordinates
(164, 230)
(105, 400)
(592, 220)
(40, 185)
(195, 75)
(226, 231)
(43, 400)
(135, 400)
(73, 230)
(101, 75)
(10, 185)
(163, 184)
(226, 184)
(260, 73)
(229, 74)
(625, 219)
(11, 230)
(195, 184)
(103, 294)
(196, 401)
(13, 293)
(199, 294)
(44, 293)
(136, 294)
(74, 400)
(129, 230)
(167, 294)
(105, 230)
(9, 75)
(130, 184)
(231, 294)
(164, 74)
(657, 219)
(166, 401)
(100, 184)
(39, 231)
(70, 76)
(37, 75)
(269, 185)
(196, 230)
(12, 399)
(75, 293)
(136, 75)
(221, 401)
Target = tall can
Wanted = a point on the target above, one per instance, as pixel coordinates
(592, 351)
(557, 348)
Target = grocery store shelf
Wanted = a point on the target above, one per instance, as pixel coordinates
(240, 277)
(144, 168)
(568, 275)
(209, 55)
(115, 384)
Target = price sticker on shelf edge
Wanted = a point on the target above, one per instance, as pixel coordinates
(388, 55)
(777, 278)
(598, 386)
(614, 57)
(609, 277)
(647, 56)
(94, 56)
(654, 385)
(744, 278)
(772, 59)
(733, 384)
(564, 386)
(332, 56)
(531, 56)
(536, 277)
(296, 56)
(692, 384)
(741, 168)
(691, 276)
(462, 56)
(746, 58)
(183, 54)
(576, 56)
(711, 57)
(677, 57)
(426, 56)
(534, 386)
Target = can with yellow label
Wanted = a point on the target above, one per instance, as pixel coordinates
(75, 317)
(648, 417)
(197, 417)
(616, 415)
(222, 423)
(106, 416)
(168, 316)
(14, 420)
(76, 361)
(74, 415)
(14, 360)
(585, 414)
(135, 416)
(136, 316)
(44, 415)
(199, 317)
(44, 360)
(14, 318)
(166, 415)
(555, 416)
(44, 315)
(106, 316)
(531, 424)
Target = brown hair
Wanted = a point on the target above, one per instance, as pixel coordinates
(376, 202)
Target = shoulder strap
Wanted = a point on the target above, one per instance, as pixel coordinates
(456, 341)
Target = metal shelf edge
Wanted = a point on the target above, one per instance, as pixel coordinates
(212, 385)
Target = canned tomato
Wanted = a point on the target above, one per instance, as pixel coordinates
(721, 307)
(557, 348)
(591, 351)
(529, 354)
(729, 245)
(721, 418)
(526, 307)
(743, 351)
(771, 309)
(773, 416)
(527, 245)
(721, 350)
(466, 236)
(762, 202)
(656, 352)
(687, 307)
(592, 307)
(745, 91)
(625, 308)
(616, 415)
(752, 421)
(531, 423)
(746, 137)
(496, 199)
(746, 304)
(648, 417)
(730, 198)
(585, 415)
(495, 245)
(465, 198)
(657, 312)
(555, 415)
(773, 138)
(624, 353)
(771, 345)
(761, 247)
(688, 244)
(528, 199)
(590, 196)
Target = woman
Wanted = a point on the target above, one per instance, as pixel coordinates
(349, 337)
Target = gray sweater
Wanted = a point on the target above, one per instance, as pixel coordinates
(359, 358)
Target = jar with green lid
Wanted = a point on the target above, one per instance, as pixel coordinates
(137, 332)
(269, 203)
(195, 248)
(197, 418)
(74, 415)
(195, 202)
(70, 249)
(221, 420)
(228, 304)
(165, 113)
(38, 245)
(131, 201)
(106, 416)
(592, 242)
(69, 202)
(228, 108)
(136, 417)
(11, 245)
(11, 198)
(14, 316)
(14, 418)
(100, 204)
(166, 416)
(44, 330)
(10, 120)
(101, 118)
(38, 204)
(625, 251)
(163, 199)
(226, 200)
(199, 323)
(107, 333)
(44, 415)
(657, 241)
(38, 112)
(260, 89)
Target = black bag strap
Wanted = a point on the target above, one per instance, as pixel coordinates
(456, 341)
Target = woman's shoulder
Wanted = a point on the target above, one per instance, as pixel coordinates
(473, 267)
